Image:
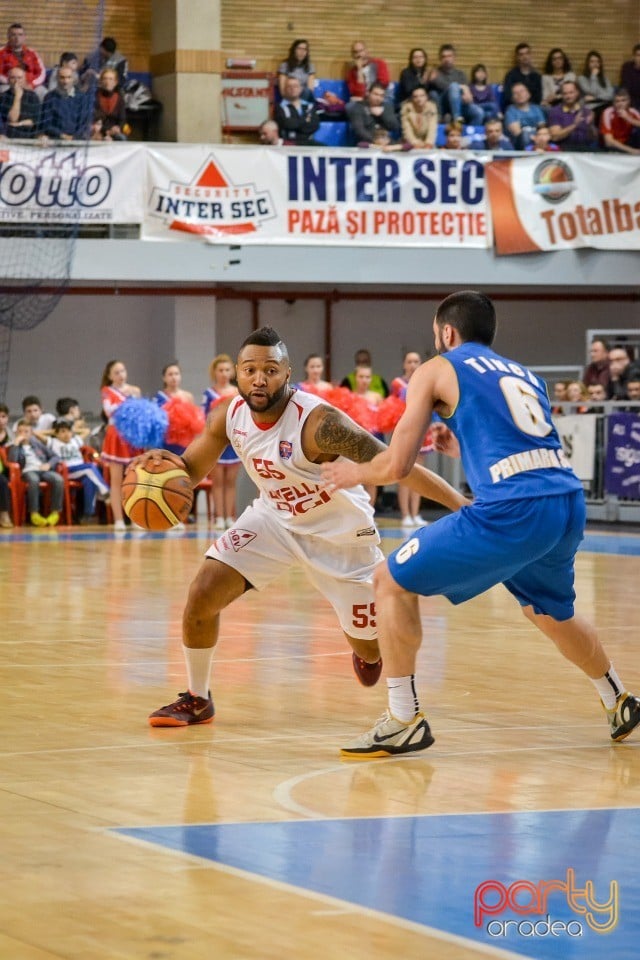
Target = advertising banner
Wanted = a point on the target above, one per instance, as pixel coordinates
(577, 434)
(556, 201)
(102, 183)
(359, 197)
(622, 467)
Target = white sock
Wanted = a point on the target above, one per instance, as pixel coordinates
(198, 661)
(609, 687)
(403, 701)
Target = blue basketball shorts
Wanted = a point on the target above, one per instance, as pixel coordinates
(528, 545)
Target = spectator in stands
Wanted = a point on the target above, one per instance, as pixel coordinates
(372, 113)
(362, 358)
(597, 393)
(522, 117)
(67, 59)
(297, 119)
(5, 499)
(454, 139)
(597, 370)
(33, 414)
(577, 394)
(68, 408)
(110, 112)
(382, 141)
(19, 108)
(597, 91)
(483, 93)
(66, 111)
(557, 70)
(269, 135)
(16, 54)
(415, 75)
(620, 125)
(559, 396)
(541, 140)
(450, 86)
(6, 436)
(34, 461)
(419, 120)
(571, 124)
(65, 447)
(523, 72)
(363, 72)
(633, 385)
(298, 64)
(106, 55)
(630, 77)
(5, 494)
(494, 138)
(619, 370)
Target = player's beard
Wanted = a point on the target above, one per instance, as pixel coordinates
(440, 347)
(272, 399)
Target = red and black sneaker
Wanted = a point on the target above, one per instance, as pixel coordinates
(187, 709)
(367, 673)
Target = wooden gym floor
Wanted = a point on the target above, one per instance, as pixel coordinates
(249, 838)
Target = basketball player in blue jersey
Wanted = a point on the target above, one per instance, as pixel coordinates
(522, 530)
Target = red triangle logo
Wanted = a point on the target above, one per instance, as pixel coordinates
(211, 177)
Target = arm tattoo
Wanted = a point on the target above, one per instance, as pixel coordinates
(338, 436)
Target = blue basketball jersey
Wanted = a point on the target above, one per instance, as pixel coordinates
(509, 446)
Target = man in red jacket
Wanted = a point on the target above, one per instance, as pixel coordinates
(16, 54)
(363, 71)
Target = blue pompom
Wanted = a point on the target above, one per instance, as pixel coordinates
(142, 423)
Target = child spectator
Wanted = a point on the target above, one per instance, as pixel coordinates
(67, 408)
(67, 448)
(483, 93)
(36, 465)
(541, 140)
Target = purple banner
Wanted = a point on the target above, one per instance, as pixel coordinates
(622, 468)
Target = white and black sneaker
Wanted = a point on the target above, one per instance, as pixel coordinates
(391, 737)
(624, 717)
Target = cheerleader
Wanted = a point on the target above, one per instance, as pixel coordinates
(313, 382)
(116, 452)
(225, 473)
(409, 500)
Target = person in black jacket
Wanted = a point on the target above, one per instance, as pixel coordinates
(297, 119)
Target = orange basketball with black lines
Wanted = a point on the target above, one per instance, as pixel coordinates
(158, 495)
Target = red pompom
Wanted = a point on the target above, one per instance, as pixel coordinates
(354, 406)
(389, 412)
(186, 421)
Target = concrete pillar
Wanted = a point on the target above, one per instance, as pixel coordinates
(186, 63)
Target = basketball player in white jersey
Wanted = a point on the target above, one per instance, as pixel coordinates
(283, 436)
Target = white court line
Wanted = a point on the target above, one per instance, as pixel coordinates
(334, 902)
(209, 744)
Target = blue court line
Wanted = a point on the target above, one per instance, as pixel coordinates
(623, 544)
(427, 870)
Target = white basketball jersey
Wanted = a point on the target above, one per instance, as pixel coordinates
(289, 484)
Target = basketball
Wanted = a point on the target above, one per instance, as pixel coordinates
(158, 495)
